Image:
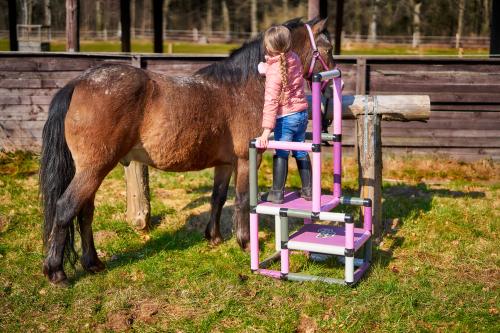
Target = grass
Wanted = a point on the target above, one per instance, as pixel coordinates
(437, 269)
(145, 46)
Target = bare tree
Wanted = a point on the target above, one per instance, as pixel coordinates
(209, 21)
(47, 17)
(166, 5)
(461, 7)
(416, 4)
(226, 21)
(26, 10)
(253, 18)
(372, 34)
(132, 18)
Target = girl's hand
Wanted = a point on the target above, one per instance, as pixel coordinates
(264, 138)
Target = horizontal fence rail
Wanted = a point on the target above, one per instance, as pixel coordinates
(464, 96)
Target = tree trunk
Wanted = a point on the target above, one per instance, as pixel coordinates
(132, 19)
(125, 25)
(284, 4)
(166, 5)
(24, 11)
(357, 20)
(98, 17)
(14, 46)
(157, 26)
(416, 23)
(226, 21)
(72, 38)
(47, 17)
(312, 9)
(253, 18)
(145, 18)
(372, 34)
(209, 20)
(461, 7)
(338, 27)
(495, 30)
(486, 17)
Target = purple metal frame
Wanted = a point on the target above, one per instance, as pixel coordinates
(353, 238)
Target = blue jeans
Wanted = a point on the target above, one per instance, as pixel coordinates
(291, 128)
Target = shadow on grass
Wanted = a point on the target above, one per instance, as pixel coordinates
(402, 202)
(181, 239)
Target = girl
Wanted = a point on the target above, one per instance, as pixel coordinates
(285, 110)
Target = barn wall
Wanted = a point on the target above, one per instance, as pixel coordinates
(465, 97)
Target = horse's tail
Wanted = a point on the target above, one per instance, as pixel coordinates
(57, 167)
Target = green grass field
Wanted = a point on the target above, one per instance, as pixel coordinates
(437, 270)
(144, 46)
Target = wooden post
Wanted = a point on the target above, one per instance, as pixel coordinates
(138, 204)
(137, 180)
(158, 25)
(72, 25)
(13, 26)
(369, 153)
(323, 9)
(361, 76)
(125, 24)
(338, 26)
(495, 30)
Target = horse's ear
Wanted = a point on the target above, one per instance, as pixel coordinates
(319, 26)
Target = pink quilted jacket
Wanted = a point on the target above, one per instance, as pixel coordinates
(294, 99)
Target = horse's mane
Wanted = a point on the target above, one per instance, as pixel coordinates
(242, 62)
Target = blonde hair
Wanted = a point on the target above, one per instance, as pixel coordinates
(278, 41)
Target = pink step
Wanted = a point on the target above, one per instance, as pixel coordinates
(325, 239)
(294, 201)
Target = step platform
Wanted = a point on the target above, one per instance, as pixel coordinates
(292, 200)
(325, 239)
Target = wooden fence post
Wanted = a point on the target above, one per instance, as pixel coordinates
(137, 179)
(369, 153)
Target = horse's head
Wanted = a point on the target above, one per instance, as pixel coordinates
(302, 45)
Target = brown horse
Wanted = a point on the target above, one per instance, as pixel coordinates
(117, 113)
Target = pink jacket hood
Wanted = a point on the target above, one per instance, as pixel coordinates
(294, 99)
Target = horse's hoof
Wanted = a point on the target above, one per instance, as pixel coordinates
(93, 267)
(56, 278)
(214, 240)
(244, 244)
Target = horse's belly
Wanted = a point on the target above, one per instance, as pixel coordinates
(179, 155)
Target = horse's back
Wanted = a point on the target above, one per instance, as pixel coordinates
(105, 114)
(185, 126)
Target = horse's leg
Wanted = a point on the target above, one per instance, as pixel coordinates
(242, 209)
(89, 259)
(81, 189)
(222, 176)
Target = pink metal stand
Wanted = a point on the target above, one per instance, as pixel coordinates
(331, 240)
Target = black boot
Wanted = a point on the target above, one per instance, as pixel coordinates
(304, 166)
(280, 171)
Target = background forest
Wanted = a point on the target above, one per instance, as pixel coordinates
(362, 18)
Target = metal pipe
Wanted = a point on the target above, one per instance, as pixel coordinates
(286, 145)
(252, 160)
(254, 241)
(331, 74)
(337, 131)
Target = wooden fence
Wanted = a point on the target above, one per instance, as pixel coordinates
(465, 96)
